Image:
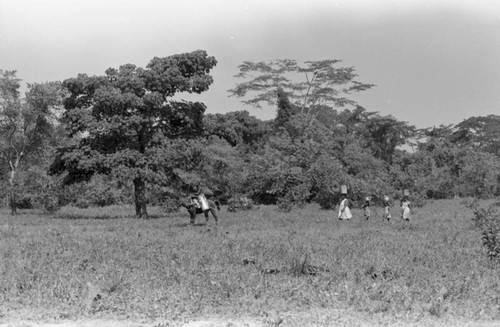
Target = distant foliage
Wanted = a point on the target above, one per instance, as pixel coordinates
(27, 127)
(100, 191)
(124, 138)
(482, 133)
(292, 188)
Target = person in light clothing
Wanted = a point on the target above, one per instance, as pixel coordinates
(387, 208)
(202, 199)
(344, 211)
(199, 199)
(405, 209)
(195, 202)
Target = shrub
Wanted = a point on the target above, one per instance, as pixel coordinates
(239, 202)
(285, 204)
(170, 205)
(50, 203)
(100, 191)
(491, 241)
(488, 222)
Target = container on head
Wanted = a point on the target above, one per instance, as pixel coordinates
(406, 192)
(343, 189)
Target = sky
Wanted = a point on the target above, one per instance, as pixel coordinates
(433, 61)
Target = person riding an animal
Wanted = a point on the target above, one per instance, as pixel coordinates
(200, 204)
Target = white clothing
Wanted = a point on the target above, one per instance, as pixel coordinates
(195, 202)
(405, 206)
(344, 211)
(203, 202)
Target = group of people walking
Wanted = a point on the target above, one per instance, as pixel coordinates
(199, 201)
(345, 211)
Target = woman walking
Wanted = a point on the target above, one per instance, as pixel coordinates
(387, 208)
(344, 211)
(405, 209)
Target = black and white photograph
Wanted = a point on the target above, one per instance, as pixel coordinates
(249, 163)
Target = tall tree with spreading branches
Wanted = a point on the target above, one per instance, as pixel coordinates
(123, 123)
(313, 83)
(482, 132)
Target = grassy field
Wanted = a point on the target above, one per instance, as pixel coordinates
(103, 262)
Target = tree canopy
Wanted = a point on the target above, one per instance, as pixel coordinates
(128, 137)
(25, 123)
(313, 83)
(479, 132)
(123, 123)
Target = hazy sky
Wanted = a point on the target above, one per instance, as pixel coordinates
(433, 61)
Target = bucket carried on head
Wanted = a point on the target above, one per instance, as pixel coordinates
(343, 189)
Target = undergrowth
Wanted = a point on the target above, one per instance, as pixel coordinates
(487, 220)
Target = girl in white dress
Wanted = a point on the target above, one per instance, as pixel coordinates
(387, 208)
(344, 211)
(405, 209)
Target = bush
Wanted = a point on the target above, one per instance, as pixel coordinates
(296, 196)
(99, 192)
(285, 204)
(170, 205)
(488, 222)
(239, 202)
(326, 199)
(51, 204)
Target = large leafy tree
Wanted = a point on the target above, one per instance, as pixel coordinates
(385, 134)
(124, 122)
(482, 132)
(25, 124)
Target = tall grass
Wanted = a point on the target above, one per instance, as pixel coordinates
(62, 267)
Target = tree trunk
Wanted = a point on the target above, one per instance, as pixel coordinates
(12, 192)
(140, 198)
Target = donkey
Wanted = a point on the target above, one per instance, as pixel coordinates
(194, 210)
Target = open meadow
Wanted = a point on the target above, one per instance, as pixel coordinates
(289, 269)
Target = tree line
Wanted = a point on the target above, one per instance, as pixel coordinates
(125, 137)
